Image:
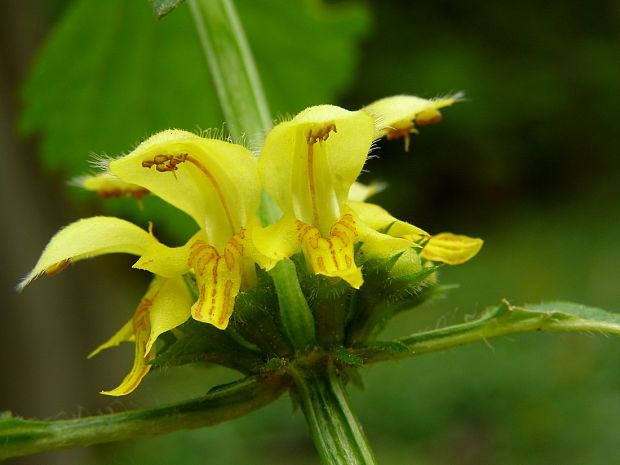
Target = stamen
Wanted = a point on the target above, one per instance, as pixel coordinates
(164, 163)
(397, 133)
(311, 183)
(313, 135)
(216, 186)
(320, 134)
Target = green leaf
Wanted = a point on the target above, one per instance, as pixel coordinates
(162, 7)
(109, 76)
(347, 357)
(389, 346)
(569, 311)
(383, 295)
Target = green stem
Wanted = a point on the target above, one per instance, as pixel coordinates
(336, 433)
(233, 69)
(498, 322)
(338, 437)
(23, 437)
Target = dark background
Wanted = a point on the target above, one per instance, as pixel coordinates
(529, 162)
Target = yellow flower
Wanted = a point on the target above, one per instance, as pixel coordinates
(216, 183)
(308, 165)
(87, 238)
(213, 181)
(448, 248)
(165, 306)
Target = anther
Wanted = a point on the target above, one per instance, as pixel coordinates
(165, 162)
(320, 134)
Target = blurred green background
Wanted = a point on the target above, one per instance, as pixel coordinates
(529, 162)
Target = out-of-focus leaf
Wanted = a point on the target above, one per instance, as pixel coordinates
(162, 7)
(109, 76)
(306, 51)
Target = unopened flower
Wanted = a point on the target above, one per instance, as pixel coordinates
(398, 116)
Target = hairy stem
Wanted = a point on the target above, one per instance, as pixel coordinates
(23, 437)
(500, 321)
(336, 433)
(233, 69)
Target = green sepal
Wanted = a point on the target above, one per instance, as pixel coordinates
(388, 289)
(295, 314)
(382, 264)
(329, 300)
(416, 295)
(257, 320)
(162, 7)
(201, 342)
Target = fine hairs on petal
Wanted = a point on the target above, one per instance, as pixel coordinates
(283, 118)
(458, 96)
(221, 133)
(100, 162)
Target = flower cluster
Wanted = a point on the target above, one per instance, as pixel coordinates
(308, 166)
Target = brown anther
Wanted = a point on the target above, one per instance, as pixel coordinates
(159, 159)
(165, 162)
(320, 134)
(397, 133)
(403, 132)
